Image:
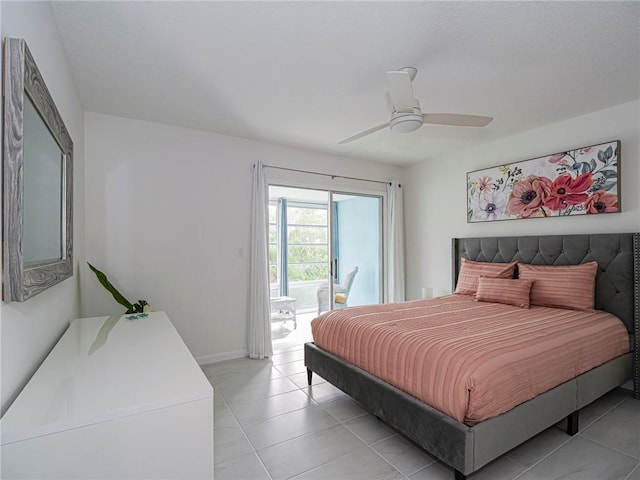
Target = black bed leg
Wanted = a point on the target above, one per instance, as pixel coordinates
(572, 423)
(309, 375)
(458, 475)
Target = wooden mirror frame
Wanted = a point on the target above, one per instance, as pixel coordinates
(22, 77)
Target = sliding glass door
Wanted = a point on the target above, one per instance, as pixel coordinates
(325, 253)
(356, 249)
(298, 243)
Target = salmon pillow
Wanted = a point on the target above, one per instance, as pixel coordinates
(471, 271)
(504, 290)
(566, 286)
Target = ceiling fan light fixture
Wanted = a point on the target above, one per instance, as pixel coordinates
(405, 122)
(406, 115)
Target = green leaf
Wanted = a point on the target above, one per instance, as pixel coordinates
(586, 168)
(117, 296)
(609, 173)
(608, 153)
(608, 186)
(601, 157)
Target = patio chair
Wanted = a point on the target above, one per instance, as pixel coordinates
(340, 293)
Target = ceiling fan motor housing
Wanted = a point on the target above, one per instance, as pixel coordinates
(406, 122)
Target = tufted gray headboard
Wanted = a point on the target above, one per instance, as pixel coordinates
(618, 256)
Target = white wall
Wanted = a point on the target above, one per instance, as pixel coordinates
(435, 192)
(168, 221)
(28, 330)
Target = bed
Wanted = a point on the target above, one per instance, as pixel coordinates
(467, 448)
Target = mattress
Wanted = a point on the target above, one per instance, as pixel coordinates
(471, 360)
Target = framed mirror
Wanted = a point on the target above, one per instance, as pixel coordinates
(37, 181)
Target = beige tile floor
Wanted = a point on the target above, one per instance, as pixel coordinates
(270, 425)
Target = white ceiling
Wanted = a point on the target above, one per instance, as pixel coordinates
(310, 74)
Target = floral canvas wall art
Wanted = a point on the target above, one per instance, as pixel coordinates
(576, 182)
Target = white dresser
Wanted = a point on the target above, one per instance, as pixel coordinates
(117, 399)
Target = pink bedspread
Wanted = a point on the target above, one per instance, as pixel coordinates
(471, 360)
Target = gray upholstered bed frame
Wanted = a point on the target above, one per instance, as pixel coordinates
(467, 449)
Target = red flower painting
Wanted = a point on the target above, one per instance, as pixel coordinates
(567, 190)
(602, 202)
(528, 197)
(574, 182)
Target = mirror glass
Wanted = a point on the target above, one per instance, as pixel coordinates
(43, 191)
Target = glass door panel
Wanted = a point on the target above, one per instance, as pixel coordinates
(325, 250)
(356, 249)
(298, 244)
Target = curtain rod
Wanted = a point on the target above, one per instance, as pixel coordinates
(327, 174)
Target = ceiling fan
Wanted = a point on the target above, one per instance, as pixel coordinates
(406, 115)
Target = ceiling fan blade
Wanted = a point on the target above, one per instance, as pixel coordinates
(364, 134)
(401, 91)
(457, 119)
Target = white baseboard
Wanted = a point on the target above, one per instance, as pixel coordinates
(221, 357)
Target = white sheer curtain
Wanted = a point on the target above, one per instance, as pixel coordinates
(259, 321)
(395, 250)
